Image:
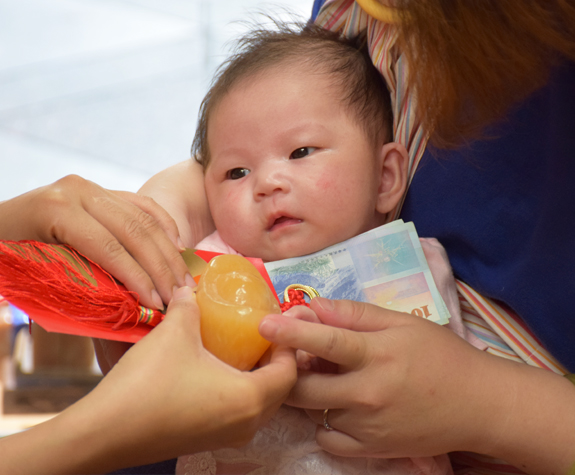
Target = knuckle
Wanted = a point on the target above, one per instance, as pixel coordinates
(57, 195)
(148, 221)
(359, 311)
(112, 248)
(71, 181)
(161, 271)
(355, 345)
(369, 400)
(148, 201)
(333, 341)
(141, 223)
(133, 228)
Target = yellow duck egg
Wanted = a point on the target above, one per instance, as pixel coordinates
(233, 298)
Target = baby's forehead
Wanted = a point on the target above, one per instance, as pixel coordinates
(332, 85)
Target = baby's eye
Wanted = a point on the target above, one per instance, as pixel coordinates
(237, 173)
(301, 152)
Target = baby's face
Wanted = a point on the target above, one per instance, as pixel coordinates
(291, 171)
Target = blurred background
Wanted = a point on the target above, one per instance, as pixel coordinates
(109, 90)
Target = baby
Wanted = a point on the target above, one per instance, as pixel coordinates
(295, 140)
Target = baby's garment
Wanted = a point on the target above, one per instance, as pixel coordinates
(286, 444)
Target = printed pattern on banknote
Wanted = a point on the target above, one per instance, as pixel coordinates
(385, 266)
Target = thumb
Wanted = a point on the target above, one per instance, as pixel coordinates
(279, 375)
(183, 315)
(357, 316)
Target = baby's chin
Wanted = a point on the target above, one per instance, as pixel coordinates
(270, 255)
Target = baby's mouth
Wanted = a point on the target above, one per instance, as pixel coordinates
(283, 221)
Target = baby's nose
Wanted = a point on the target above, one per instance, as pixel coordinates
(271, 182)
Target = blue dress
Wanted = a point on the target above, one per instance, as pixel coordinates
(505, 211)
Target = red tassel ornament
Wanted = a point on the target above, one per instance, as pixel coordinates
(66, 292)
(294, 295)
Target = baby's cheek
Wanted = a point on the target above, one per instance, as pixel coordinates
(233, 202)
(325, 182)
(332, 190)
(231, 195)
(225, 209)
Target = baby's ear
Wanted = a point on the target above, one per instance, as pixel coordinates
(393, 162)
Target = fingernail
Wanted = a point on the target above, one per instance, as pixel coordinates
(182, 293)
(159, 304)
(190, 282)
(292, 312)
(181, 244)
(268, 328)
(324, 304)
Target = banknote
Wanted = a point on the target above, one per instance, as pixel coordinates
(385, 266)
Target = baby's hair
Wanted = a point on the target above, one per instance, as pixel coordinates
(355, 79)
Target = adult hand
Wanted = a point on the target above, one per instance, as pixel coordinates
(394, 381)
(166, 397)
(179, 189)
(192, 400)
(129, 235)
(406, 387)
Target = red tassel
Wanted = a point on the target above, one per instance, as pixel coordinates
(58, 279)
(296, 297)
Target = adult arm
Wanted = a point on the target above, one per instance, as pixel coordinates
(407, 387)
(166, 397)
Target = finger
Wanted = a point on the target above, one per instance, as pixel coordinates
(339, 443)
(140, 234)
(71, 214)
(165, 233)
(321, 391)
(162, 217)
(93, 240)
(357, 316)
(335, 441)
(332, 344)
(176, 337)
(183, 314)
(279, 375)
(319, 365)
(303, 359)
(281, 364)
(332, 418)
(273, 382)
(301, 312)
(316, 415)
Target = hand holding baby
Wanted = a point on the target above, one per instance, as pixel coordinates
(404, 387)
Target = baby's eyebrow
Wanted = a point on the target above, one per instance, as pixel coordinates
(233, 154)
(306, 127)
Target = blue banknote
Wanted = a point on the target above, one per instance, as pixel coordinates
(385, 266)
